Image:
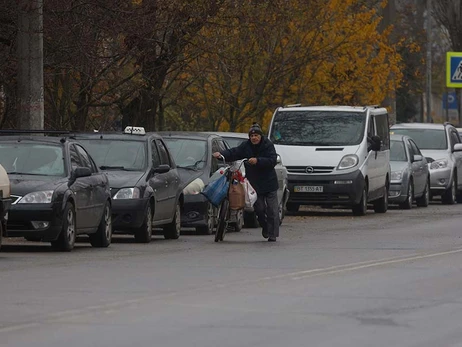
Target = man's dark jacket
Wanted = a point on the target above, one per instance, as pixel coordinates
(261, 176)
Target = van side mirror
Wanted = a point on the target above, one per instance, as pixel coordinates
(417, 157)
(375, 143)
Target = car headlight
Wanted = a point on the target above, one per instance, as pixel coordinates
(43, 197)
(439, 164)
(397, 176)
(195, 187)
(348, 161)
(128, 193)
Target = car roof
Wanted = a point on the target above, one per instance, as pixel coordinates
(344, 108)
(397, 137)
(418, 126)
(56, 140)
(230, 134)
(115, 136)
(199, 135)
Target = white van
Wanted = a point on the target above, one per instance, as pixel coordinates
(335, 155)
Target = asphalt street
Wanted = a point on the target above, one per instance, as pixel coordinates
(332, 279)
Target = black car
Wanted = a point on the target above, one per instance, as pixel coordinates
(192, 152)
(57, 191)
(145, 184)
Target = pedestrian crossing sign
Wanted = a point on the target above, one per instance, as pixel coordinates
(454, 69)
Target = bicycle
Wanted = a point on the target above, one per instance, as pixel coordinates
(225, 212)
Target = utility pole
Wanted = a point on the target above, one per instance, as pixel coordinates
(428, 92)
(30, 59)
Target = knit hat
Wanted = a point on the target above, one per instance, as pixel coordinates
(255, 129)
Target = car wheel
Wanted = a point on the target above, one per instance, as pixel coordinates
(282, 210)
(360, 209)
(66, 238)
(449, 195)
(250, 220)
(103, 236)
(381, 205)
(424, 200)
(407, 204)
(173, 229)
(143, 234)
(291, 207)
(209, 220)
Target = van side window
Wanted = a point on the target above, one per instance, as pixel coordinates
(371, 128)
(381, 122)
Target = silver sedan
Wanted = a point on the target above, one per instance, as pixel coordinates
(410, 177)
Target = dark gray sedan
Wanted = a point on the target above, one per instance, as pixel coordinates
(410, 177)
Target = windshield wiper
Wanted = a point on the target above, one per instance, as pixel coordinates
(25, 173)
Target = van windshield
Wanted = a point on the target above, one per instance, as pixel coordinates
(318, 128)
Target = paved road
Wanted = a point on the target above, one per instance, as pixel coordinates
(331, 280)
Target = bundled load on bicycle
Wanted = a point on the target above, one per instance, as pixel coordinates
(261, 183)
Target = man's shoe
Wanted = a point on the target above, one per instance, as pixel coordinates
(264, 233)
(272, 239)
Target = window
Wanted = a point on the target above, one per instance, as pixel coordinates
(155, 155)
(397, 151)
(425, 138)
(164, 158)
(415, 149)
(86, 161)
(454, 137)
(383, 130)
(75, 160)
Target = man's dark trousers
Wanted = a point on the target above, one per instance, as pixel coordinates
(267, 209)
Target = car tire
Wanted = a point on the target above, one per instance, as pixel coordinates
(67, 236)
(291, 207)
(407, 204)
(143, 234)
(381, 205)
(172, 230)
(424, 200)
(282, 210)
(103, 236)
(449, 195)
(360, 209)
(208, 229)
(250, 220)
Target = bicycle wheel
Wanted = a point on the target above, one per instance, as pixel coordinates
(222, 221)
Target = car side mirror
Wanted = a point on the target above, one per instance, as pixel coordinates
(81, 172)
(429, 160)
(163, 168)
(375, 143)
(457, 147)
(417, 157)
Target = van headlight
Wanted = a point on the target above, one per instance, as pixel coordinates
(128, 193)
(439, 164)
(348, 161)
(43, 197)
(397, 176)
(195, 187)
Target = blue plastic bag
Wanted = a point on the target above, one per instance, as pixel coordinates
(216, 191)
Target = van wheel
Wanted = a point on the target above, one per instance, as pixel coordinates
(424, 200)
(291, 207)
(360, 209)
(449, 195)
(381, 205)
(407, 205)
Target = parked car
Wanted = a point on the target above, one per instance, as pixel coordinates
(234, 139)
(5, 201)
(410, 175)
(335, 155)
(145, 183)
(192, 152)
(441, 145)
(57, 191)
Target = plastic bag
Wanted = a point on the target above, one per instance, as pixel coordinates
(250, 194)
(216, 191)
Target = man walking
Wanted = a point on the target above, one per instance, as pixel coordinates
(261, 174)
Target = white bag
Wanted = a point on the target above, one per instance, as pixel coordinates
(250, 194)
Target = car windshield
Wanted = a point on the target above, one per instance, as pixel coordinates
(234, 141)
(318, 128)
(32, 159)
(397, 151)
(425, 138)
(117, 154)
(188, 153)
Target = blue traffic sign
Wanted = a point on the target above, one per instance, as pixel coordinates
(449, 101)
(454, 69)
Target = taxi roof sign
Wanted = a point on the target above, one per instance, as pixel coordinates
(454, 69)
(134, 130)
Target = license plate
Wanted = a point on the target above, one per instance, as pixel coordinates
(308, 189)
